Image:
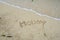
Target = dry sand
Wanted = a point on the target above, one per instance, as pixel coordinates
(19, 24)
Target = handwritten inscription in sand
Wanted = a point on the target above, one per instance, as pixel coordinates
(31, 22)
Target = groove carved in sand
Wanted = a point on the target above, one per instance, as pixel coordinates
(31, 22)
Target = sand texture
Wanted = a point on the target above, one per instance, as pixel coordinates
(19, 24)
(47, 7)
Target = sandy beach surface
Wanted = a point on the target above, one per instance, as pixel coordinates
(20, 24)
(47, 7)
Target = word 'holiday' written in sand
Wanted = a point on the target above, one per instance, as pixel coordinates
(31, 22)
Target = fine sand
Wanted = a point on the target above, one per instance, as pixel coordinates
(20, 24)
(47, 7)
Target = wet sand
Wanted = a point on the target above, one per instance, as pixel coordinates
(47, 7)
